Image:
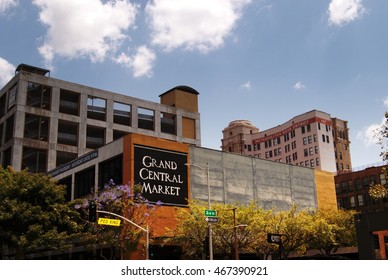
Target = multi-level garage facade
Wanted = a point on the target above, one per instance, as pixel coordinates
(46, 122)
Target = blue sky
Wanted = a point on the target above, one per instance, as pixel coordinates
(261, 60)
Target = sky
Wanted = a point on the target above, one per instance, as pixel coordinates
(265, 61)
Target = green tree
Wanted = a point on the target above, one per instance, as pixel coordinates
(332, 229)
(33, 213)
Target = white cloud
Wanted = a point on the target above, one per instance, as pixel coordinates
(299, 85)
(369, 135)
(192, 24)
(7, 71)
(344, 11)
(247, 85)
(7, 4)
(141, 62)
(87, 28)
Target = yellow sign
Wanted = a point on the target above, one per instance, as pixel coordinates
(109, 222)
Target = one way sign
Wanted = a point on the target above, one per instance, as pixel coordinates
(211, 219)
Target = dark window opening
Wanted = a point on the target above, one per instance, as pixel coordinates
(38, 96)
(95, 137)
(168, 123)
(111, 169)
(146, 119)
(69, 102)
(36, 127)
(66, 182)
(35, 160)
(84, 182)
(122, 114)
(64, 157)
(67, 133)
(96, 108)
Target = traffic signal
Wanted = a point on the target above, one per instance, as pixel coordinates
(92, 211)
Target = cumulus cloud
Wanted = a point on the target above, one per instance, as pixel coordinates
(191, 24)
(299, 85)
(344, 11)
(7, 4)
(370, 134)
(87, 28)
(141, 62)
(7, 71)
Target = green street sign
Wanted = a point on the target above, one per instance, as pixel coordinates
(210, 213)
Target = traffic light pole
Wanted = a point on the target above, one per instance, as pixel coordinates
(146, 230)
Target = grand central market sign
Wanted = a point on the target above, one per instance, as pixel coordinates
(162, 175)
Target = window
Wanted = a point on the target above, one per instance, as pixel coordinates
(304, 140)
(315, 138)
(310, 139)
(122, 113)
(1, 133)
(303, 129)
(95, 137)
(352, 201)
(312, 162)
(311, 151)
(365, 182)
(67, 133)
(118, 134)
(360, 199)
(306, 153)
(316, 150)
(64, 157)
(38, 96)
(96, 108)
(358, 184)
(317, 161)
(9, 125)
(111, 169)
(168, 124)
(67, 182)
(145, 118)
(84, 182)
(34, 159)
(3, 100)
(7, 154)
(36, 127)
(327, 139)
(323, 138)
(319, 126)
(69, 102)
(308, 128)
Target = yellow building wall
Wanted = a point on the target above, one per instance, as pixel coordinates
(325, 186)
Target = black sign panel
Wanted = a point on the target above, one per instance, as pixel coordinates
(274, 238)
(162, 174)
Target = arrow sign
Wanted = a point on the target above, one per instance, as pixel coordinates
(211, 219)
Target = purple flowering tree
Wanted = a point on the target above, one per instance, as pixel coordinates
(116, 241)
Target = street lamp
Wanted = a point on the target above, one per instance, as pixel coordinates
(209, 225)
(235, 227)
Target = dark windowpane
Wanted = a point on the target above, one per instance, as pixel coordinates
(95, 137)
(34, 159)
(38, 96)
(84, 182)
(122, 114)
(96, 108)
(67, 182)
(111, 169)
(168, 124)
(9, 128)
(69, 103)
(118, 134)
(36, 127)
(64, 157)
(145, 119)
(67, 133)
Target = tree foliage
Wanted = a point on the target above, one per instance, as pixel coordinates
(325, 230)
(33, 213)
(124, 200)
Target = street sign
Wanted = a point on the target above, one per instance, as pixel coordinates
(109, 222)
(210, 213)
(274, 238)
(211, 219)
